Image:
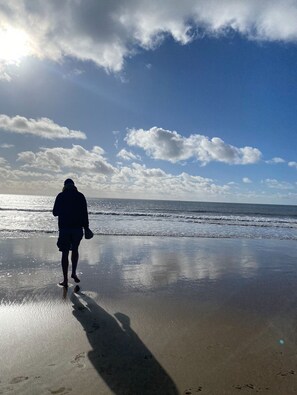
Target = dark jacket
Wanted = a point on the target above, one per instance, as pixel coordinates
(71, 208)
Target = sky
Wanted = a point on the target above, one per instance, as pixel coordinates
(193, 100)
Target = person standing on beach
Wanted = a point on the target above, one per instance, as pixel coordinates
(71, 209)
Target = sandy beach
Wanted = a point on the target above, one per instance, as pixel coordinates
(152, 316)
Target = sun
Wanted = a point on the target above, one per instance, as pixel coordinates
(14, 45)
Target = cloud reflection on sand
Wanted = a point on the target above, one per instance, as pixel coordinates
(153, 262)
(197, 305)
(121, 264)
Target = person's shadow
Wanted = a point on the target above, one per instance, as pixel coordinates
(119, 356)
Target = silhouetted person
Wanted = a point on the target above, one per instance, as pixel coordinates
(71, 209)
(118, 354)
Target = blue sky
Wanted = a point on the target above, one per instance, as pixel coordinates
(190, 101)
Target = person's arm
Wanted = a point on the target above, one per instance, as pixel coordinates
(56, 208)
(85, 215)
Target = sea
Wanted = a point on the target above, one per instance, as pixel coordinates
(25, 215)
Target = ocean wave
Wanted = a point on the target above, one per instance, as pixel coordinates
(28, 231)
(211, 219)
(23, 233)
(29, 210)
(31, 216)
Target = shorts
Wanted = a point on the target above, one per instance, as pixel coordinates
(69, 239)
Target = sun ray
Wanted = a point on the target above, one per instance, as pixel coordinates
(14, 45)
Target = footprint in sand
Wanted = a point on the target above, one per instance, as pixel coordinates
(251, 387)
(244, 386)
(79, 360)
(61, 391)
(191, 391)
(288, 373)
(18, 379)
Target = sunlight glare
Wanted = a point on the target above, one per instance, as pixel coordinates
(14, 45)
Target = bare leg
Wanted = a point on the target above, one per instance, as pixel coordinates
(65, 265)
(74, 261)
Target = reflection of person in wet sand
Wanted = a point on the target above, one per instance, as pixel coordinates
(118, 354)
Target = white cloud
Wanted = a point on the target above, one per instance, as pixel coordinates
(167, 145)
(127, 155)
(275, 160)
(107, 32)
(26, 181)
(246, 180)
(45, 171)
(156, 183)
(292, 164)
(73, 73)
(76, 158)
(6, 145)
(41, 127)
(275, 184)
(4, 74)
(3, 162)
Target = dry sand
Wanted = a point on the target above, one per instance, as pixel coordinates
(153, 316)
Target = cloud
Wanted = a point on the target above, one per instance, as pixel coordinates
(292, 164)
(76, 158)
(107, 32)
(171, 146)
(275, 160)
(3, 162)
(45, 171)
(6, 145)
(275, 184)
(4, 74)
(246, 180)
(155, 183)
(73, 73)
(127, 155)
(41, 127)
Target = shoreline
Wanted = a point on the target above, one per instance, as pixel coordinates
(199, 315)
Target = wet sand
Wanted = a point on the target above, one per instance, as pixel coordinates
(152, 316)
